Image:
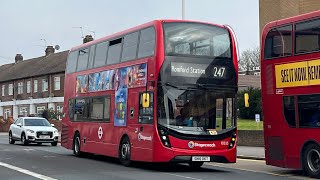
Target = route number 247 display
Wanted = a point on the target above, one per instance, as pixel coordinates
(219, 71)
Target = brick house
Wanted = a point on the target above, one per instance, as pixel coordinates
(27, 87)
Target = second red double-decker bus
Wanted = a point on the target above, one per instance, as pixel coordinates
(163, 91)
(290, 79)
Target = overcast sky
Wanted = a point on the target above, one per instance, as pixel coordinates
(25, 23)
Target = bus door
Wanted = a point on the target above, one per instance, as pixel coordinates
(144, 126)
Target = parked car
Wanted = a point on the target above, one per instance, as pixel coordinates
(33, 130)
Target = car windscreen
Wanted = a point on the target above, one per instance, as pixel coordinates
(36, 122)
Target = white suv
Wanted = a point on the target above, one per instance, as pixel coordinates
(33, 130)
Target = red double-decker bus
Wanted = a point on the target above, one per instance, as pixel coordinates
(290, 79)
(163, 91)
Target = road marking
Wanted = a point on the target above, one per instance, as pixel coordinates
(24, 171)
(186, 177)
(264, 172)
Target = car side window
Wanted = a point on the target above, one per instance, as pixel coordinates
(18, 121)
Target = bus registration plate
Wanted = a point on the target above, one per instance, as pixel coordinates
(200, 158)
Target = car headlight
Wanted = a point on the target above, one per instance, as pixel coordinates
(30, 131)
(55, 131)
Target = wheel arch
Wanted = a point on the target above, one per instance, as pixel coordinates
(303, 148)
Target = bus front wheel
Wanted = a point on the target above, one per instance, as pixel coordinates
(311, 160)
(125, 151)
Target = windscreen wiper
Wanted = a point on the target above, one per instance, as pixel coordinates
(196, 85)
(176, 87)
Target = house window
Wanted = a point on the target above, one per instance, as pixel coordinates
(20, 88)
(44, 85)
(3, 88)
(10, 89)
(28, 86)
(23, 111)
(40, 109)
(35, 86)
(7, 113)
(57, 83)
(59, 112)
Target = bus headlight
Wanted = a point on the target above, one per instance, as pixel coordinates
(164, 137)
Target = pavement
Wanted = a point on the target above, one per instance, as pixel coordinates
(243, 152)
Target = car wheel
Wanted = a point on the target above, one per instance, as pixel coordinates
(195, 165)
(125, 152)
(311, 160)
(76, 145)
(54, 143)
(11, 141)
(24, 140)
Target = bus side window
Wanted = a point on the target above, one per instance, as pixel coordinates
(72, 62)
(278, 42)
(146, 113)
(71, 108)
(309, 110)
(147, 42)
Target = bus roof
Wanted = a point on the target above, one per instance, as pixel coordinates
(291, 20)
(145, 25)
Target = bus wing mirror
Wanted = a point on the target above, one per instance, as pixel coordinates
(246, 99)
(145, 100)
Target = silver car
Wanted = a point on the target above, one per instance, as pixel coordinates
(33, 130)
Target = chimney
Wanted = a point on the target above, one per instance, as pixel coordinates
(18, 58)
(88, 38)
(49, 50)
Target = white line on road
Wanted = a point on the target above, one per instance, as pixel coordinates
(186, 177)
(264, 172)
(36, 175)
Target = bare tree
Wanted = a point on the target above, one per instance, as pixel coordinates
(249, 59)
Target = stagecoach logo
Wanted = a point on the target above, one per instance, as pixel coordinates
(192, 144)
(145, 138)
(100, 132)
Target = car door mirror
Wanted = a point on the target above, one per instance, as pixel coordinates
(52, 125)
(19, 124)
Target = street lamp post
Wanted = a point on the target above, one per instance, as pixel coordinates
(183, 9)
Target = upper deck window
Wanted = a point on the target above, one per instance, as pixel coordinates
(147, 42)
(83, 59)
(91, 56)
(72, 62)
(278, 42)
(197, 40)
(130, 46)
(114, 51)
(101, 54)
(307, 36)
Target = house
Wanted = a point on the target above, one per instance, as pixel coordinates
(27, 87)
(246, 81)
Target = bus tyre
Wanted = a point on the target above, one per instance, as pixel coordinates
(24, 140)
(125, 151)
(195, 165)
(11, 141)
(76, 145)
(311, 160)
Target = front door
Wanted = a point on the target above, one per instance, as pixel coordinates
(143, 140)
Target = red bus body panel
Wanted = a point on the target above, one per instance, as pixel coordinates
(287, 141)
(142, 149)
